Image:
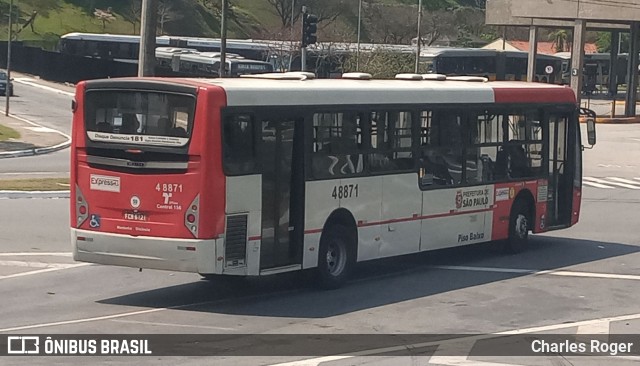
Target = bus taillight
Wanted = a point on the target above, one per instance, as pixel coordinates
(82, 208)
(191, 216)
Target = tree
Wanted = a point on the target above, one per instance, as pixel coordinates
(326, 10)
(559, 39)
(166, 13)
(381, 64)
(105, 16)
(389, 23)
(133, 14)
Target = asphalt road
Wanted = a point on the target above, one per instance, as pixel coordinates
(49, 107)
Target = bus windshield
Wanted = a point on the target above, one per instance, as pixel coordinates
(139, 117)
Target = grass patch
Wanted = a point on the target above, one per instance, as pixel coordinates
(8, 133)
(38, 184)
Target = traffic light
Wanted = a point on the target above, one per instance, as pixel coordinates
(309, 29)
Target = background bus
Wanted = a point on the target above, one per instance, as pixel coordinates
(255, 176)
(173, 61)
(125, 48)
(492, 64)
(596, 70)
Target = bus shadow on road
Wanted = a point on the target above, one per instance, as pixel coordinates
(376, 283)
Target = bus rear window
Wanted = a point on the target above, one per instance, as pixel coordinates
(139, 117)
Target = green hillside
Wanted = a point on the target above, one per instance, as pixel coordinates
(248, 18)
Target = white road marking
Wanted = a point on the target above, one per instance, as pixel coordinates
(602, 181)
(488, 269)
(34, 173)
(38, 271)
(313, 361)
(30, 82)
(37, 264)
(596, 328)
(597, 185)
(172, 324)
(442, 355)
(613, 276)
(83, 320)
(627, 181)
(41, 129)
(536, 272)
(44, 254)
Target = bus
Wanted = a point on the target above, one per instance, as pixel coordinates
(491, 64)
(281, 172)
(189, 62)
(125, 48)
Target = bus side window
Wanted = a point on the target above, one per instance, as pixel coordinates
(434, 166)
(337, 145)
(238, 144)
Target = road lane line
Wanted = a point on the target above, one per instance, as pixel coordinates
(122, 315)
(596, 328)
(444, 352)
(34, 173)
(36, 254)
(622, 180)
(313, 361)
(38, 271)
(597, 185)
(541, 272)
(613, 276)
(37, 264)
(488, 269)
(172, 324)
(602, 181)
(83, 320)
(30, 82)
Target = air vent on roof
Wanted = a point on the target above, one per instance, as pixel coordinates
(357, 75)
(409, 76)
(438, 77)
(294, 75)
(478, 79)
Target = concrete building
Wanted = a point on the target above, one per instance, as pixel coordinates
(547, 48)
(580, 15)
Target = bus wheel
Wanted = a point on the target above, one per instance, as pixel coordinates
(335, 257)
(518, 227)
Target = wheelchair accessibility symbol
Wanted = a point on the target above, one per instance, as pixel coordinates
(94, 222)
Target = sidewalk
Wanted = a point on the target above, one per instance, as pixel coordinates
(34, 139)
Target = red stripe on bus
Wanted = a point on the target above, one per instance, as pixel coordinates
(257, 237)
(415, 217)
(510, 94)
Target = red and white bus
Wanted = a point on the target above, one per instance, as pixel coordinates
(283, 172)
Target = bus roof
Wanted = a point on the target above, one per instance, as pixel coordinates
(166, 40)
(266, 92)
(450, 51)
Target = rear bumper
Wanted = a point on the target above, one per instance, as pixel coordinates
(184, 255)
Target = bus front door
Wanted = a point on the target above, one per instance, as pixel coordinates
(560, 188)
(282, 192)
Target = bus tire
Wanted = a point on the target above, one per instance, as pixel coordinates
(519, 226)
(335, 257)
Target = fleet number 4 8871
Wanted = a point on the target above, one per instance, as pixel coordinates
(345, 191)
(168, 187)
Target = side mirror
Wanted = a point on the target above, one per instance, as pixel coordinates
(591, 131)
(590, 119)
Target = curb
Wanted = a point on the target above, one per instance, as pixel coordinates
(34, 194)
(37, 150)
